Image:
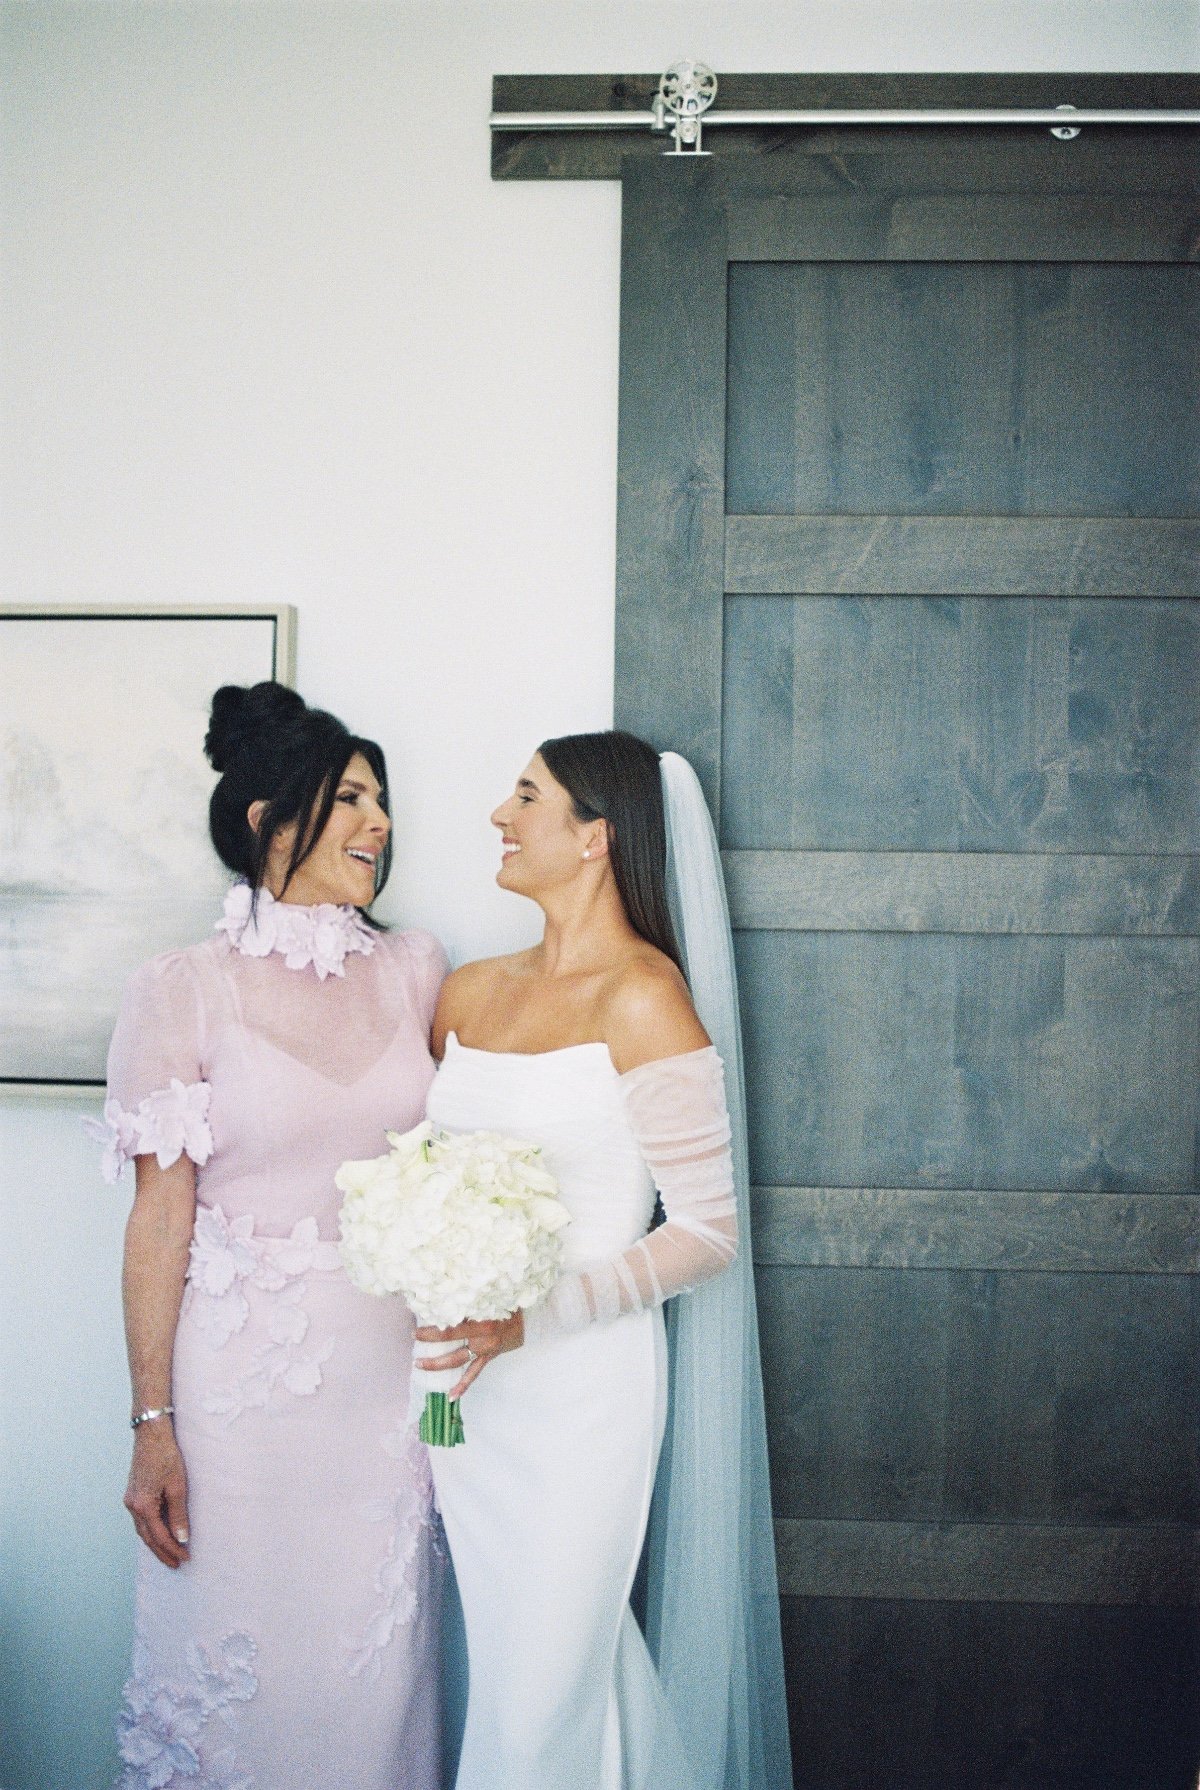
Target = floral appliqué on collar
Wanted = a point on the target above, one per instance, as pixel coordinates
(321, 936)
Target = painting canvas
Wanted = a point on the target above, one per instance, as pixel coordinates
(104, 850)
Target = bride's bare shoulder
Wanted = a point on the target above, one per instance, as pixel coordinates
(471, 987)
(649, 1012)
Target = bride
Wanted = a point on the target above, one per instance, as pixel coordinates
(590, 1045)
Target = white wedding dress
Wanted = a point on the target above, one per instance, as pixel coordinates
(545, 1506)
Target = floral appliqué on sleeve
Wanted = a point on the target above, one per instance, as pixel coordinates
(168, 1124)
(161, 1726)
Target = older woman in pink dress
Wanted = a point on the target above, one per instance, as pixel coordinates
(288, 1586)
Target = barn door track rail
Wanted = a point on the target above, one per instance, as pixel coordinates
(682, 105)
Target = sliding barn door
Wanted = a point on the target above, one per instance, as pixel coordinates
(909, 473)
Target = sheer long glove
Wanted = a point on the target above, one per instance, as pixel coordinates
(676, 1110)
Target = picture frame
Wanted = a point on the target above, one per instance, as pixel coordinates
(105, 858)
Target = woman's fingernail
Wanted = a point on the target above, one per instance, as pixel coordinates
(182, 1537)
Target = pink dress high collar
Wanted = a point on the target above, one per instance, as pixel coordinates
(322, 936)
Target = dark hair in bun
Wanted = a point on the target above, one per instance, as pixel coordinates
(238, 714)
(269, 746)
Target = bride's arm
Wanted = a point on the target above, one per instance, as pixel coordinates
(674, 1100)
(460, 992)
(676, 1109)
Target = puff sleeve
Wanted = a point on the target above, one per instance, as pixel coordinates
(676, 1110)
(157, 1098)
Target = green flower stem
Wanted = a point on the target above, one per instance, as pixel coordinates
(441, 1424)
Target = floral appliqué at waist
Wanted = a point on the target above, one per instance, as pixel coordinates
(226, 1257)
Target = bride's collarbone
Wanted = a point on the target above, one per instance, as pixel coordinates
(526, 1035)
(540, 1046)
(520, 1024)
(515, 1010)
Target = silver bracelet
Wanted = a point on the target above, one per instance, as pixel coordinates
(148, 1416)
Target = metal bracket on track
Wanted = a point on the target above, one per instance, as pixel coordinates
(686, 90)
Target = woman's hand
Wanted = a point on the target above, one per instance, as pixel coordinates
(156, 1496)
(483, 1341)
(157, 1238)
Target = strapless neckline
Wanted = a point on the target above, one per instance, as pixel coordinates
(530, 1056)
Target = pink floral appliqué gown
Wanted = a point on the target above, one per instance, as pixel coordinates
(297, 1648)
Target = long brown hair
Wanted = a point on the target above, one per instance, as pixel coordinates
(615, 777)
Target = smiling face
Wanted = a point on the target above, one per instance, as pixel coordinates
(543, 844)
(341, 868)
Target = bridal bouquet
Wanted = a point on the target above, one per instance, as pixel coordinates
(465, 1226)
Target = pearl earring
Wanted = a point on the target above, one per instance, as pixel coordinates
(587, 854)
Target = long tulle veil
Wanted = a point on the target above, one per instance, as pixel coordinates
(712, 1597)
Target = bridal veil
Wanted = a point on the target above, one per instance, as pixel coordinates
(712, 1598)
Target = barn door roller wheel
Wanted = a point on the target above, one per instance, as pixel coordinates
(686, 91)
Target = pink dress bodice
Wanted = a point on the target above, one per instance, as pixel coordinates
(268, 1073)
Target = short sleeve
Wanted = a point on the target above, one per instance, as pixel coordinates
(157, 1099)
(430, 967)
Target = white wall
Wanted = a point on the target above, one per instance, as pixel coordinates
(270, 333)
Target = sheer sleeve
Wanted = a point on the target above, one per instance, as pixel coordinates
(677, 1112)
(158, 1098)
(430, 967)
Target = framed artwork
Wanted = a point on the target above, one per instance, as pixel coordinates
(104, 851)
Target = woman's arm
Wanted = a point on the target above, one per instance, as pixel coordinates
(462, 993)
(673, 1091)
(677, 1112)
(157, 1239)
(672, 1088)
(446, 1017)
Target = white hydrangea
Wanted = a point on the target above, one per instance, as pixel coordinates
(464, 1226)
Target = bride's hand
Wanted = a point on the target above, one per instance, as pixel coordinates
(478, 1344)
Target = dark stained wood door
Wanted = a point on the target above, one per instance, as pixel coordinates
(907, 565)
